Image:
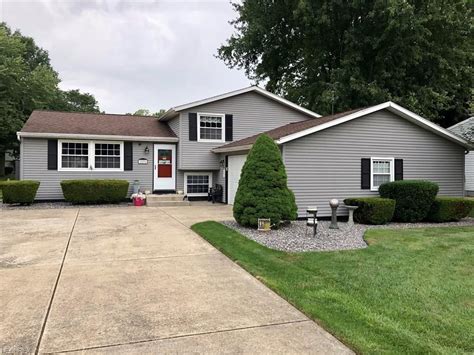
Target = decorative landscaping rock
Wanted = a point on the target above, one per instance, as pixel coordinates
(297, 237)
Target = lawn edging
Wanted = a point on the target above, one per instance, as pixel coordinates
(389, 297)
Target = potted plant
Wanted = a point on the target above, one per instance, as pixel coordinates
(138, 199)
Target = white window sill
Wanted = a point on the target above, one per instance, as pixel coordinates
(87, 170)
(210, 141)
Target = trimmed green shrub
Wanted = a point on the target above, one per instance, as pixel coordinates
(372, 210)
(19, 191)
(449, 209)
(413, 198)
(94, 191)
(263, 190)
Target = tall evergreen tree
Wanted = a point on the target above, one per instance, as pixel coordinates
(333, 55)
(263, 190)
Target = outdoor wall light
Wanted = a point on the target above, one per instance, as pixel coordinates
(222, 163)
(147, 150)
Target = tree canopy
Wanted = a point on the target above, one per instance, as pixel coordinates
(147, 112)
(28, 82)
(334, 55)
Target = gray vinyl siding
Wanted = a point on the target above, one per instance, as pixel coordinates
(34, 153)
(470, 173)
(174, 125)
(252, 113)
(326, 164)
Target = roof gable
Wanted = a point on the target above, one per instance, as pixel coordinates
(172, 112)
(298, 130)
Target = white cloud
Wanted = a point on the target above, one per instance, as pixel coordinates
(132, 54)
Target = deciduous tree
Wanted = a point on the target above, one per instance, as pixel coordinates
(28, 82)
(333, 55)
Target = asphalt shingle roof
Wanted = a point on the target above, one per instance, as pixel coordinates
(288, 129)
(96, 124)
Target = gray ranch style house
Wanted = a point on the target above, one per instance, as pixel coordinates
(463, 128)
(195, 146)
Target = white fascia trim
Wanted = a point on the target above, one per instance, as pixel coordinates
(332, 123)
(411, 116)
(232, 149)
(168, 115)
(423, 122)
(95, 137)
(261, 91)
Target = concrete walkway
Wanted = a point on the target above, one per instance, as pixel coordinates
(136, 280)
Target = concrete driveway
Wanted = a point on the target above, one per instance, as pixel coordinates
(136, 280)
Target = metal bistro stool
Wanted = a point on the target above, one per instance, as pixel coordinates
(312, 220)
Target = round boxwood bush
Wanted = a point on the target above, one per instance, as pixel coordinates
(90, 191)
(263, 190)
(19, 191)
(372, 210)
(449, 209)
(413, 198)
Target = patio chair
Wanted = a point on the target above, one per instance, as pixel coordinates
(215, 194)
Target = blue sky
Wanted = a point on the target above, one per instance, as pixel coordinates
(132, 54)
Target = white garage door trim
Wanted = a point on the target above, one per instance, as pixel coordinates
(234, 168)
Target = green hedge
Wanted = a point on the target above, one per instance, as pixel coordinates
(19, 191)
(448, 209)
(372, 210)
(94, 191)
(413, 198)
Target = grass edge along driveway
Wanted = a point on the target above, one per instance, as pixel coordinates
(410, 291)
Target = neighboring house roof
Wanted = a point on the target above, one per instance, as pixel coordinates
(458, 127)
(56, 124)
(172, 112)
(297, 130)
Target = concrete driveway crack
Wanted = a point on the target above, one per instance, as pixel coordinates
(43, 327)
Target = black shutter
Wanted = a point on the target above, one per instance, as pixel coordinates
(365, 174)
(398, 169)
(52, 154)
(128, 156)
(193, 134)
(229, 127)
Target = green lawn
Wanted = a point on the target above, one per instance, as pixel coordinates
(410, 291)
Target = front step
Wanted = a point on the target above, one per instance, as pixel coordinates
(168, 200)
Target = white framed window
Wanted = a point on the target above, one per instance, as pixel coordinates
(90, 156)
(197, 183)
(108, 156)
(381, 171)
(211, 127)
(73, 155)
